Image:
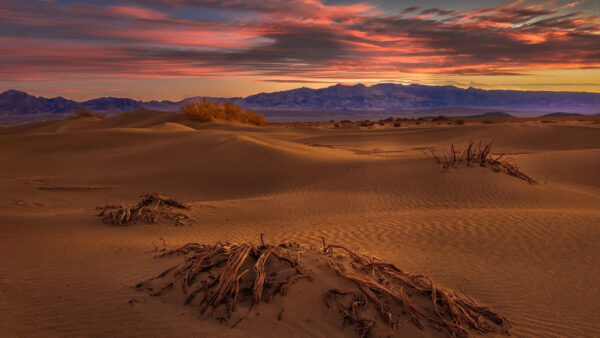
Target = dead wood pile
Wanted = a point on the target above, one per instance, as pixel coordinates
(151, 208)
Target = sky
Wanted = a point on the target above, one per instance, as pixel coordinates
(172, 49)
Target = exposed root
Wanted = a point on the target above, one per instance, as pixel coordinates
(149, 209)
(389, 289)
(350, 311)
(214, 276)
(480, 154)
(222, 277)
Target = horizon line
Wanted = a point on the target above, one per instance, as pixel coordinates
(31, 92)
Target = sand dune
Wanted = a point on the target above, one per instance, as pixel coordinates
(529, 252)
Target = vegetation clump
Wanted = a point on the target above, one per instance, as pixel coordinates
(84, 112)
(222, 279)
(205, 110)
(388, 290)
(480, 154)
(150, 208)
(440, 118)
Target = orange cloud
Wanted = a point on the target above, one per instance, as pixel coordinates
(303, 39)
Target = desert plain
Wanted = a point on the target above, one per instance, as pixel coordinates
(530, 252)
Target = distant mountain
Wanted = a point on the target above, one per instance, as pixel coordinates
(394, 96)
(112, 104)
(14, 102)
(358, 101)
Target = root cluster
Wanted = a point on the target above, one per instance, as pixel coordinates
(150, 208)
(480, 154)
(219, 277)
(393, 293)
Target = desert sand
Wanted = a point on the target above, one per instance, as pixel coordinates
(529, 252)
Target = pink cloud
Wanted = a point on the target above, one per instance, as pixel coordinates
(137, 12)
(300, 39)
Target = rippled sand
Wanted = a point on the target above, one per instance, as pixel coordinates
(529, 252)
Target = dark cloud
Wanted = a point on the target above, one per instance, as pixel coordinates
(410, 9)
(296, 38)
(437, 11)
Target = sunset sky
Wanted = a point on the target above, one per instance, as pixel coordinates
(171, 49)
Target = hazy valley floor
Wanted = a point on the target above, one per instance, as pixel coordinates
(529, 252)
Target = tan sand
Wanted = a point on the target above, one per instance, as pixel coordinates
(530, 252)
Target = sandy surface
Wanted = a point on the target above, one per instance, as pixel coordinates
(529, 252)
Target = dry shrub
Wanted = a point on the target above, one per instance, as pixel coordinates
(223, 278)
(440, 118)
(84, 112)
(480, 154)
(151, 208)
(392, 293)
(206, 110)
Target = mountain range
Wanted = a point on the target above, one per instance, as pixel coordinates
(338, 100)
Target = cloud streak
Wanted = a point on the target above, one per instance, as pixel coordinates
(280, 41)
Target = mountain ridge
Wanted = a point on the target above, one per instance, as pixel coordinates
(366, 100)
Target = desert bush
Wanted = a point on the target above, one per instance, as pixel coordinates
(487, 121)
(480, 154)
(206, 110)
(397, 124)
(366, 123)
(440, 118)
(459, 122)
(418, 122)
(150, 209)
(202, 111)
(84, 112)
